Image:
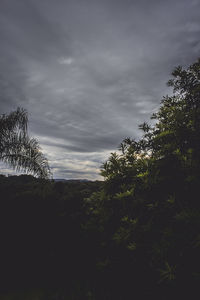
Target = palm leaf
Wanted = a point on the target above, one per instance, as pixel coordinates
(17, 149)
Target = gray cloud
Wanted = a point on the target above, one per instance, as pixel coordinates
(89, 72)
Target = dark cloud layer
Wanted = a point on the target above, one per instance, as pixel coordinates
(89, 72)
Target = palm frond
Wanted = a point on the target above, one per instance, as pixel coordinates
(17, 149)
(16, 120)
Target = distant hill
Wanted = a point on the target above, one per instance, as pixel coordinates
(71, 180)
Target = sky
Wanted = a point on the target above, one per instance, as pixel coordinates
(89, 72)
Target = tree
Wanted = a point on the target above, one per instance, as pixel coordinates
(146, 218)
(17, 149)
(178, 119)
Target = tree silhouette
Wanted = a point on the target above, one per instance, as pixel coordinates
(17, 149)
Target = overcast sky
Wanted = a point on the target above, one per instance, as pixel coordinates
(89, 72)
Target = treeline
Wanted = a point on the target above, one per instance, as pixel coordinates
(134, 236)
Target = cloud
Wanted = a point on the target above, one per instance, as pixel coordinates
(89, 72)
(65, 60)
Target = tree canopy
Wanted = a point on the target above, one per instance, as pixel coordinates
(147, 215)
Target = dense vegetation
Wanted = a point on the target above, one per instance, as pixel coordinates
(135, 235)
(41, 233)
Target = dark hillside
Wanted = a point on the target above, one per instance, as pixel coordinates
(40, 229)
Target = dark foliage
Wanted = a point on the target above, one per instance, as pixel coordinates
(41, 236)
